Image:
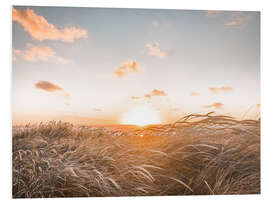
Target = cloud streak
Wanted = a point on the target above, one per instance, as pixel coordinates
(217, 90)
(212, 13)
(194, 94)
(155, 92)
(38, 53)
(127, 68)
(216, 105)
(135, 97)
(148, 96)
(39, 28)
(50, 87)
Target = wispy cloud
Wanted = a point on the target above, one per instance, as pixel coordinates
(50, 87)
(212, 13)
(214, 90)
(38, 53)
(155, 92)
(194, 94)
(237, 20)
(127, 68)
(39, 28)
(216, 105)
(155, 50)
(148, 96)
(135, 97)
(217, 90)
(226, 88)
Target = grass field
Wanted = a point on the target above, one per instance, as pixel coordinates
(197, 155)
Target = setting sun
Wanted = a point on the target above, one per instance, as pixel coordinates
(141, 116)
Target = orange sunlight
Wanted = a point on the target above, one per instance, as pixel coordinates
(141, 116)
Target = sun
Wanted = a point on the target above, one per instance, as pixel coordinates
(141, 116)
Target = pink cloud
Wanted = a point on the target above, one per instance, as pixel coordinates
(154, 50)
(194, 94)
(216, 105)
(226, 88)
(217, 90)
(39, 53)
(212, 13)
(214, 90)
(127, 68)
(39, 28)
(50, 87)
(135, 97)
(237, 20)
(147, 95)
(156, 92)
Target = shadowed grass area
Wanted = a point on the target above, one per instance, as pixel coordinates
(197, 155)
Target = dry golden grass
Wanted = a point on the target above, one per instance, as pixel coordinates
(198, 155)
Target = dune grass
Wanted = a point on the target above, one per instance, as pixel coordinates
(197, 155)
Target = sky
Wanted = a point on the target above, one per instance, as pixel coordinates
(93, 65)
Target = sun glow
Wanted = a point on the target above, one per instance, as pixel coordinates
(141, 116)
